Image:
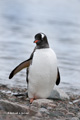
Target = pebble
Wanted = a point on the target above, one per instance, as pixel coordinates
(70, 103)
(78, 114)
(34, 108)
(49, 108)
(35, 118)
(40, 109)
(75, 118)
(52, 105)
(63, 110)
(39, 114)
(43, 110)
(70, 114)
(56, 114)
(76, 101)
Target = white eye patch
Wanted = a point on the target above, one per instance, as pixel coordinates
(42, 35)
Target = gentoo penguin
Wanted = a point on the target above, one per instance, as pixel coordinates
(42, 70)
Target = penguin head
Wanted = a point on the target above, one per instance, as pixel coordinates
(41, 41)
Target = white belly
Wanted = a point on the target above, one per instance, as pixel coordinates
(42, 73)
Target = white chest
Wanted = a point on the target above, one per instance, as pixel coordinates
(43, 72)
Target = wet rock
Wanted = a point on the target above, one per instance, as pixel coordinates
(58, 94)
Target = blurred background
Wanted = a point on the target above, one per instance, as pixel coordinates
(20, 20)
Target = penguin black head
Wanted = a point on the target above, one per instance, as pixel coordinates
(41, 41)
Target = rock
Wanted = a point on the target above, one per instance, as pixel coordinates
(34, 108)
(78, 114)
(70, 103)
(14, 108)
(36, 118)
(76, 101)
(76, 110)
(39, 114)
(63, 110)
(43, 110)
(52, 105)
(69, 114)
(43, 103)
(56, 114)
(14, 117)
(58, 94)
(74, 118)
(49, 108)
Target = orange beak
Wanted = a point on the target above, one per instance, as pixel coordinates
(36, 41)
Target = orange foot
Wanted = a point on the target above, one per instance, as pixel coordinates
(31, 100)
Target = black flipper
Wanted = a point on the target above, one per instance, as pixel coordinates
(21, 66)
(58, 77)
(27, 70)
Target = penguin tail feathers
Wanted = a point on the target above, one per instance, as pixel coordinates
(21, 66)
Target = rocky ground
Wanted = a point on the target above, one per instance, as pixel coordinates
(18, 107)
